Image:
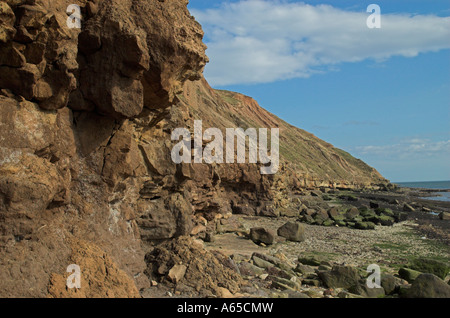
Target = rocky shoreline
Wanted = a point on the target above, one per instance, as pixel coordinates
(285, 257)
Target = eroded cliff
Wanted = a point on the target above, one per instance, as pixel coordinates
(86, 117)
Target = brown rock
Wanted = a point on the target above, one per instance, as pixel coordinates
(444, 216)
(292, 231)
(177, 273)
(262, 235)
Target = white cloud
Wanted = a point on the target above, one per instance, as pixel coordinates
(260, 41)
(409, 148)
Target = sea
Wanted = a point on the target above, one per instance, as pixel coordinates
(438, 185)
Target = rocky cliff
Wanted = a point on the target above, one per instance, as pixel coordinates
(86, 175)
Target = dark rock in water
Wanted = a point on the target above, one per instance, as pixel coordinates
(262, 235)
(340, 277)
(408, 274)
(294, 232)
(425, 265)
(408, 208)
(428, 286)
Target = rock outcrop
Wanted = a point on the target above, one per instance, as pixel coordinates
(86, 174)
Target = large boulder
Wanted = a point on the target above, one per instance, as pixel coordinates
(425, 265)
(261, 235)
(408, 274)
(292, 232)
(363, 290)
(340, 277)
(428, 286)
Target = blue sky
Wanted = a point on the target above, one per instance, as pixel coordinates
(381, 94)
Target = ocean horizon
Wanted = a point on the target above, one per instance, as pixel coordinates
(438, 185)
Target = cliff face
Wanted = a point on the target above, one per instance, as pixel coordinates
(86, 117)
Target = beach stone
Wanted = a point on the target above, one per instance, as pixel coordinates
(304, 269)
(311, 282)
(321, 215)
(352, 213)
(307, 219)
(340, 277)
(444, 216)
(428, 286)
(286, 274)
(314, 260)
(177, 273)
(408, 274)
(366, 292)
(385, 211)
(345, 294)
(367, 213)
(333, 212)
(262, 235)
(282, 283)
(365, 225)
(425, 265)
(248, 269)
(351, 224)
(386, 220)
(389, 283)
(262, 263)
(271, 259)
(294, 232)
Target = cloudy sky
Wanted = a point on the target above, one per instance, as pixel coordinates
(381, 94)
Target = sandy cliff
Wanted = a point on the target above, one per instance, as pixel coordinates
(85, 122)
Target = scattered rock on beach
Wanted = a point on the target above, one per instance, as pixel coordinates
(428, 286)
(291, 231)
(408, 208)
(430, 266)
(261, 235)
(408, 274)
(340, 277)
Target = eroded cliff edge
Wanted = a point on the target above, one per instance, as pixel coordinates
(85, 121)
